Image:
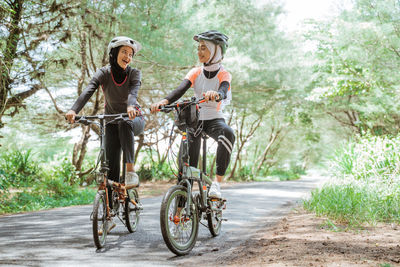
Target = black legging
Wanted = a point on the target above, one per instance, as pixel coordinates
(220, 132)
(121, 137)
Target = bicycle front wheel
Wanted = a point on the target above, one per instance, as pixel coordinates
(99, 219)
(178, 228)
(132, 211)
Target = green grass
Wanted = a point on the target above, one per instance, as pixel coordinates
(366, 187)
(355, 203)
(32, 200)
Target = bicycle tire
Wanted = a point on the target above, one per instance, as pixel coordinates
(99, 219)
(132, 211)
(169, 204)
(214, 218)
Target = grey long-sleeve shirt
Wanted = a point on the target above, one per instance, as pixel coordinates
(117, 96)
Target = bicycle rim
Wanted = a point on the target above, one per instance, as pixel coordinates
(179, 230)
(132, 212)
(99, 220)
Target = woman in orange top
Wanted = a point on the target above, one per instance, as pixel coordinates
(212, 82)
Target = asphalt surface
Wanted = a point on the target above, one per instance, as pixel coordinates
(63, 237)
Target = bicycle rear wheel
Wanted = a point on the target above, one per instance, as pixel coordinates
(99, 219)
(214, 217)
(178, 228)
(132, 211)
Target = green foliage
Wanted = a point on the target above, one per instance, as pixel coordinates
(371, 158)
(293, 173)
(244, 174)
(43, 185)
(150, 170)
(356, 203)
(367, 187)
(4, 182)
(355, 75)
(65, 171)
(18, 168)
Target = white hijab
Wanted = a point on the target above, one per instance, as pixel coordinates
(215, 55)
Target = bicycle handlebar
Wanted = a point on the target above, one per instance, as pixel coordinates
(168, 108)
(88, 119)
(102, 116)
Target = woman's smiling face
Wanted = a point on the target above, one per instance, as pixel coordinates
(125, 55)
(203, 53)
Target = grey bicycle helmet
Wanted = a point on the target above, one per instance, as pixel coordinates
(124, 41)
(214, 36)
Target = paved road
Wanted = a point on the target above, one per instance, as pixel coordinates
(63, 237)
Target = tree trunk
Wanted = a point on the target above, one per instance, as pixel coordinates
(242, 138)
(273, 137)
(80, 148)
(139, 146)
(10, 52)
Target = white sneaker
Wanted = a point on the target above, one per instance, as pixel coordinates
(215, 190)
(131, 179)
(110, 225)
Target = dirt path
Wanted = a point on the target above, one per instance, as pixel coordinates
(302, 239)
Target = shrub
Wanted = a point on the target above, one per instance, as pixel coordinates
(4, 183)
(44, 186)
(245, 173)
(19, 169)
(65, 171)
(155, 171)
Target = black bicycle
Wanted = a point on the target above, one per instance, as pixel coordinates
(181, 208)
(125, 199)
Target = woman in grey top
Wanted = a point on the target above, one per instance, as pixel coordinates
(120, 84)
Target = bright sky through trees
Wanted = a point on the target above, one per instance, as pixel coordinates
(298, 11)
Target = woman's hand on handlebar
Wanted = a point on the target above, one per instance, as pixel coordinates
(211, 96)
(156, 106)
(70, 116)
(132, 112)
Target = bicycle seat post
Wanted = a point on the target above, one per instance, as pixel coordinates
(204, 137)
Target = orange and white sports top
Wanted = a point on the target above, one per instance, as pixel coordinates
(200, 84)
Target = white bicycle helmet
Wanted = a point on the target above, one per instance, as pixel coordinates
(124, 41)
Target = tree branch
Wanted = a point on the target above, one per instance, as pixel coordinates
(18, 98)
(53, 100)
(338, 119)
